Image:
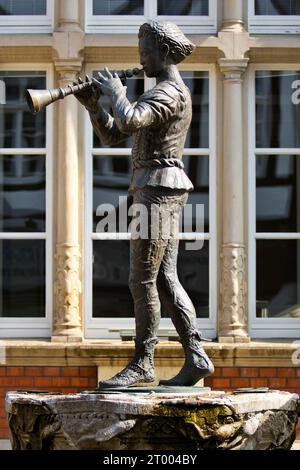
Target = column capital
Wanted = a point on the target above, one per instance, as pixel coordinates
(233, 69)
(68, 69)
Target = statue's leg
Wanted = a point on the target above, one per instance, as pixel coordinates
(145, 259)
(176, 302)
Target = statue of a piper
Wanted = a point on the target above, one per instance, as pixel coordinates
(158, 122)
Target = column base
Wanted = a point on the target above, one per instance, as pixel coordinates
(66, 26)
(234, 339)
(66, 339)
(233, 25)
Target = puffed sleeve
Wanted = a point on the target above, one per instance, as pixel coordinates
(153, 108)
(105, 127)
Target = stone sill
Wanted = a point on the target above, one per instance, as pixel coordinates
(260, 353)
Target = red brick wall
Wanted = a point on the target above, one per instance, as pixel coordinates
(54, 379)
(278, 378)
(76, 379)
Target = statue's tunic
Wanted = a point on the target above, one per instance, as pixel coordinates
(158, 122)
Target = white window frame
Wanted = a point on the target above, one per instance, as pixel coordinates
(35, 327)
(263, 327)
(131, 23)
(98, 327)
(272, 24)
(15, 24)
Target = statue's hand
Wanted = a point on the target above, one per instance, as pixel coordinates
(108, 83)
(89, 96)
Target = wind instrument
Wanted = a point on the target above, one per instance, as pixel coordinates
(39, 99)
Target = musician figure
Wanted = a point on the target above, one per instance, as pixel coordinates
(158, 122)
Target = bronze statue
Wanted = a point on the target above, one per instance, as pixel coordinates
(158, 122)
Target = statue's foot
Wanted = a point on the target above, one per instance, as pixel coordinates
(133, 374)
(196, 367)
(187, 377)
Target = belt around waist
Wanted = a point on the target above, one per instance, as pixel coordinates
(158, 163)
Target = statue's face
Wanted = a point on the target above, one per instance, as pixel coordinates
(151, 58)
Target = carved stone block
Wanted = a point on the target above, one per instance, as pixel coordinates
(152, 421)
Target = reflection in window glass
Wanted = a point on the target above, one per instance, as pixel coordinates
(112, 177)
(22, 270)
(197, 169)
(182, 7)
(277, 117)
(23, 7)
(198, 84)
(135, 88)
(22, 193)
(118, 7)
(277, 193)
(278, 290)
(18, 127)
(193, 272)
(111, 294)
(277, 7)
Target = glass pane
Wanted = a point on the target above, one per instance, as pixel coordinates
(277, 7)
(197, 169)
(118, 7)
(18, 127)
(111, 295)
(198, 134)
(22, 193)
(112, 177)
(278, 290)
(22, 270)
(182, 7)
(23, 7)
(193, 272)
(135, 88)
(277, 117)
(278, 193)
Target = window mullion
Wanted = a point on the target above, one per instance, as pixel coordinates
(277, 151)
(22, 236)
(150, 8)
(23, 151)
(149, 83)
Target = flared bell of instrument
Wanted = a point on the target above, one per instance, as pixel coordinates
(38, 99)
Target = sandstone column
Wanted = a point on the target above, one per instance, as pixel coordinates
(68, 16)
(67, 289)
(233, 308)
(233, 14)
(67, 43)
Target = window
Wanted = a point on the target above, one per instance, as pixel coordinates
(274, 245)
(25, 240)
(109, 303)
(26, 16)
(274, 16)
(194, 16)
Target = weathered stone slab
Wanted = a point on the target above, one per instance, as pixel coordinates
(189, 420)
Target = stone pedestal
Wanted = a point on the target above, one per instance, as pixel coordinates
(189, 419)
